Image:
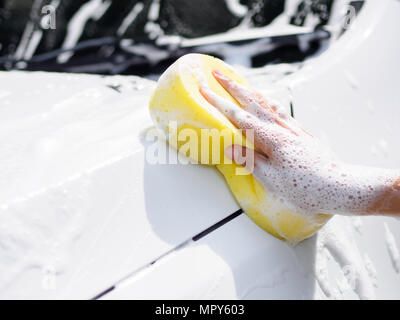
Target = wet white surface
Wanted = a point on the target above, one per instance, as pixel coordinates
(348, 97)
(79, 206)
(80, 209)
(240, 261)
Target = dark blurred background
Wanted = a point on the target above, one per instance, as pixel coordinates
(143, 37)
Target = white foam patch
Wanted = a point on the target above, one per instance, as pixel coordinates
(337, 241)
(357, 224)
(236, 7)
(392, 248)
(369, 266)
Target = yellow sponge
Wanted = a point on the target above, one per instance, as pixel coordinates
(177, 100)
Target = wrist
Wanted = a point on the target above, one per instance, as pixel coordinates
(359, 190)
(389, 202)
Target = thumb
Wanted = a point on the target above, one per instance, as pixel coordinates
(256, 163)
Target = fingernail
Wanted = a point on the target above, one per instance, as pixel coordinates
(203, 89)
(218, 73)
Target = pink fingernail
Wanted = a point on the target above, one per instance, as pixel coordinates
(218, 73)
(202, 89)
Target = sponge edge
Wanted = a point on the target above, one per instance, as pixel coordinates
(177, 98)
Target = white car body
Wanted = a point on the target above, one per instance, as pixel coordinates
(83, 215)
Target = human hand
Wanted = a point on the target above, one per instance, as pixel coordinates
(296, 166)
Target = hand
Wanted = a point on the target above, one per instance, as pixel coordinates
(296, 166)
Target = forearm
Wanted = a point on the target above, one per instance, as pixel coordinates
(389, 202)
(372, 191)
(345, 190)
(296, 167)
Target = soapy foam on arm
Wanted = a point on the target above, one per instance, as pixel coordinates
(305, 173)
(314, 180)
(300, 169)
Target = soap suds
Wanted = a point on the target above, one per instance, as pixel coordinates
(357, 224)
(193, 66)
(300, 169)
(93, 9)
(392, 248)
(337, 240)
(369, 266)
(38, 234)
(236, 7)
(137, 8)
(305, 173)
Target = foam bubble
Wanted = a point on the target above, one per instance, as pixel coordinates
(309, 176)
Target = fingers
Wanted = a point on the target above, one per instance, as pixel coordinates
(250, 100)
(260, 166)
(263, 137)
(253, 102)
(239, 117)
(282, 113)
